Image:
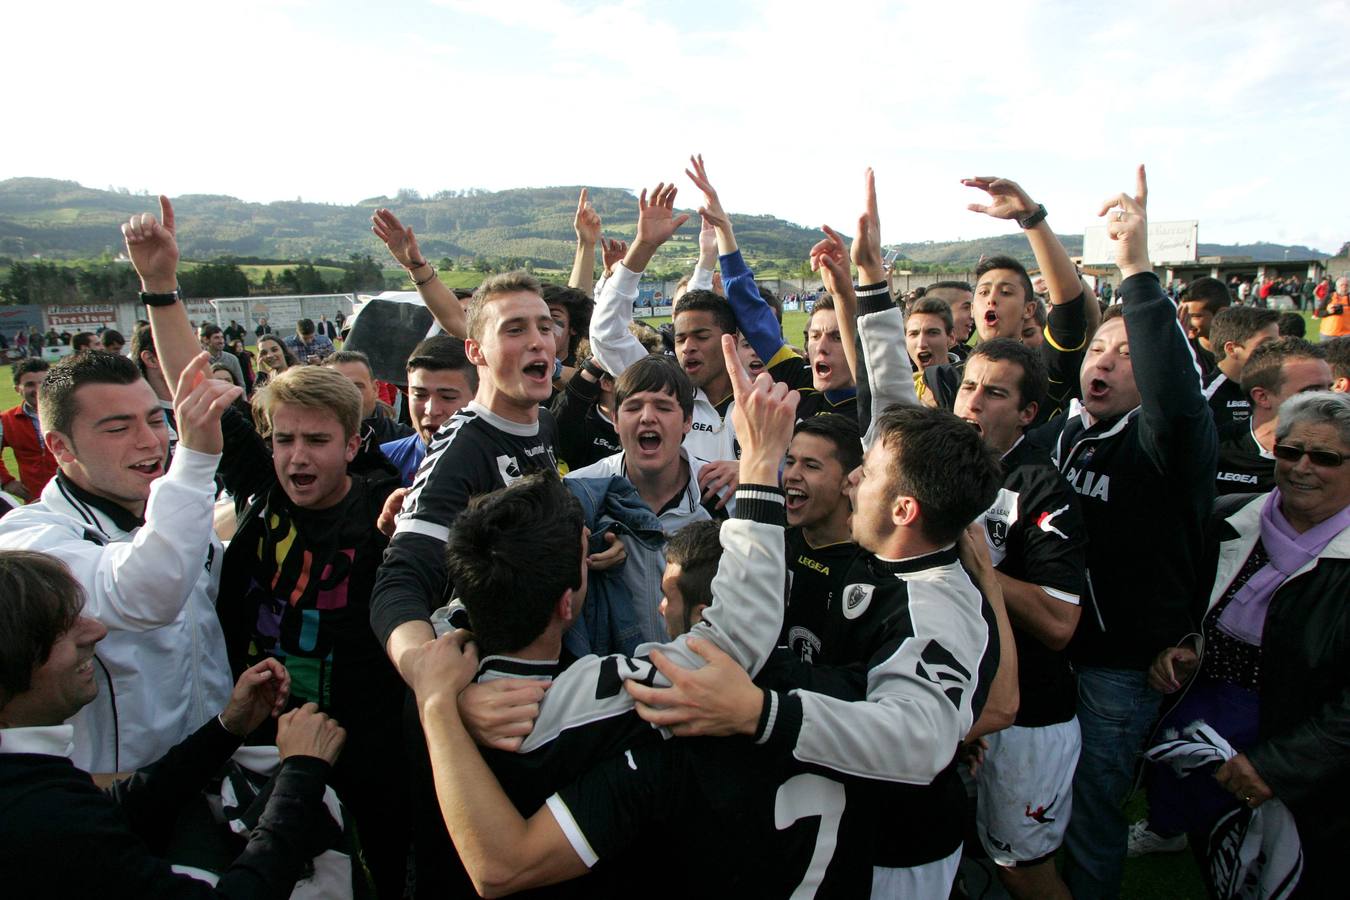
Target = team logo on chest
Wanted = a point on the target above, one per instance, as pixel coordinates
(857, 597)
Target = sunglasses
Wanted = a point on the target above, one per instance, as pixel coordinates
(1327, 459)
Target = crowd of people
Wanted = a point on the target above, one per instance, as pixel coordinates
(594, 595)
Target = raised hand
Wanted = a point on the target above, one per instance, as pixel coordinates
(1007, 200)
(308, 732)
(612, 251)
(711, 210)
(830, 259)
(866, 249)
(152, 246)
(764, 414)
(261, 691)
(587, 221)
(198, 403)
(707, 244)
(657, 221)
(1127, 225)
(400, 240)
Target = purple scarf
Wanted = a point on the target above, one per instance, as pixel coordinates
(1245, 616)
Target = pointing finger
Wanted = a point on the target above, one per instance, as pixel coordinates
(740, 380)
(166, 216)
(1141, 187)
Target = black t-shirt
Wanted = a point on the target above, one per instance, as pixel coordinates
(761, 829)
(1226, 400)
(1036, 534)
(473, 453)
(1244, 465)
(584, 435)
(793, 371)
(1208, 364)
(816, 576)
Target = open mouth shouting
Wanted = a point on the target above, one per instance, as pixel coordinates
(925, 358)
(150, 468)
(979, 429)
(649, 442)
(795, 499)
(1098, 389)
(538, 372)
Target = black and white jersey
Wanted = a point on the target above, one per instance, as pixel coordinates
(474, 452)
(816, 576)
(1226, 400)
(762, 829)
(1036, 534)
(1245, 467)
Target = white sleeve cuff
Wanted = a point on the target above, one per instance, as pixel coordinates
(563, 816)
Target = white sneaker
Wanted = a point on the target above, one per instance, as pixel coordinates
(1143, 842)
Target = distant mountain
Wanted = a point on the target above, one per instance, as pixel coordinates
(62, 219)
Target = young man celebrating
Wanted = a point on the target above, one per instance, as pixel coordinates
(21, 431)
(498, 437)
(297, 577)
(653, 406)
(140, 543)
(1235, 334)
(377, 424)
(441, 381)
(701, 318)
(1036, 540)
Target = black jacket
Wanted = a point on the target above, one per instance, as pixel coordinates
(60, 836)
(1146, 484)
(1303, 746)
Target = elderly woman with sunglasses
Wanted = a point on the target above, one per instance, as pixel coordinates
(1272, 670)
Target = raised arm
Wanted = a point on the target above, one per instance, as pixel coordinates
(754, 318)
(153, 249)
(586, 223)
(439, 299)
(1007, 200)
(612, 345)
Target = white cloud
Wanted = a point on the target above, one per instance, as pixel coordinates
(1233, 104)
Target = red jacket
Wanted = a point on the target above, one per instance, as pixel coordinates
(36, 463)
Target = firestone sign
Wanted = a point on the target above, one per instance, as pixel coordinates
(86, 317)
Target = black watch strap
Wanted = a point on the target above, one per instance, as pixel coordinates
(1034, 219)
(168, 299)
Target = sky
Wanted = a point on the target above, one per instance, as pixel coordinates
(1238, 108)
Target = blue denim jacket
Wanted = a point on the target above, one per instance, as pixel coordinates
(622, 606)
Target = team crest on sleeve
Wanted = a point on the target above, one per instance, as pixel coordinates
(857, 597)
(998, 522)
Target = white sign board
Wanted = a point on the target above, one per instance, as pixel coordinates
(1168, 242)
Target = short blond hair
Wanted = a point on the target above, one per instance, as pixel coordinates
(498, 286)
(310, 387)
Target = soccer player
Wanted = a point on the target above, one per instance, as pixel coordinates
(1036, 540)
(1235, 334)
(1275, 371)
(441, 381)
(498, 437)
(928, 334)
(1139, 448)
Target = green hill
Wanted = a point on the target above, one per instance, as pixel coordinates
(65, 220)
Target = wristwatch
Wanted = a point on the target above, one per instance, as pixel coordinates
(1034, 219)
(168, 299)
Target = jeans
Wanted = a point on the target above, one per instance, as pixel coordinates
(1116, 711)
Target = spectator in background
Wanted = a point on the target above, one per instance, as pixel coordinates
(960, 297)
(1335, 310)
(441, 380)
(82, 342)
(21, 431)
(143, 354)
(327, 328)
(212, 339)
(308, 346)
(245, 358)
(234, 332)
(274, 357)
(112, 341)
(263, 327)
(377, 420)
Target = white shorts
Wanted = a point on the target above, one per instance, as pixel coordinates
(932, 879)
(1025, 791)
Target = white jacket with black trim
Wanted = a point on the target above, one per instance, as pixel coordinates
(163, 669)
